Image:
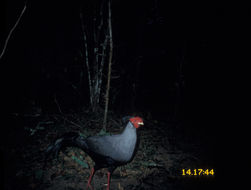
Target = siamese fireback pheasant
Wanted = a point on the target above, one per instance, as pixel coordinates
(108, 151)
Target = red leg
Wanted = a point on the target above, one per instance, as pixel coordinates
(90, 179)
(108, 180)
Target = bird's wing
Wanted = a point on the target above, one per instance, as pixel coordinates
(103, 145)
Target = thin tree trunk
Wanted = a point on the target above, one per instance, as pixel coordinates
(87, 60)
(109, 66)
(104, 46)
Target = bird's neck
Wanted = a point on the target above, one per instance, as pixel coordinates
(129, 130)
(128, 138)
(125, 143)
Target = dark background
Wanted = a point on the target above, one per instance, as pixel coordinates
(152, 39)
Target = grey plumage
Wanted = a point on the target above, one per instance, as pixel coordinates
(106, 151)
(119, 147)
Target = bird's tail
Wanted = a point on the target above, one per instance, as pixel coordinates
(68, 139)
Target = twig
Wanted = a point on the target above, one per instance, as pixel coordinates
(75, 124)
(69, 121)
(11, 31)
(55, 99)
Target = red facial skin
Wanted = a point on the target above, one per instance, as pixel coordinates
(135, 121)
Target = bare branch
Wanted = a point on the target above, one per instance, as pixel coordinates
(56, 101)
(109, 65)
(87, 59)
(104, 46)
(11, 31)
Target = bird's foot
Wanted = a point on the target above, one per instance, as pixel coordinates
(89, 186)
(90, 180)
(107, 187)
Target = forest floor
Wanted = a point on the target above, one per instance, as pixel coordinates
(163, 152)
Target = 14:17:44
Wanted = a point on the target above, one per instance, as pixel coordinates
(194, 172)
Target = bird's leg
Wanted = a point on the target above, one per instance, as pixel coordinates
(90, 179)
(108, 180)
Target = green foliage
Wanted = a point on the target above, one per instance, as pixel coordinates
(38, 174)
(82, 135)
(150, 164)
(81, 162)
(103, 132)
(39, 127)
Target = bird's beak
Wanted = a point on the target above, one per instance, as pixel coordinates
(140, 123)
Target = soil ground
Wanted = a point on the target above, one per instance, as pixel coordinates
(163, 152)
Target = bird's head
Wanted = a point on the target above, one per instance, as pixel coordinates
(136, 121)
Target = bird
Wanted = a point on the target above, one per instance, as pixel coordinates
(109, 151)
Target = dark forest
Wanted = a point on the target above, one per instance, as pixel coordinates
(69, 67)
